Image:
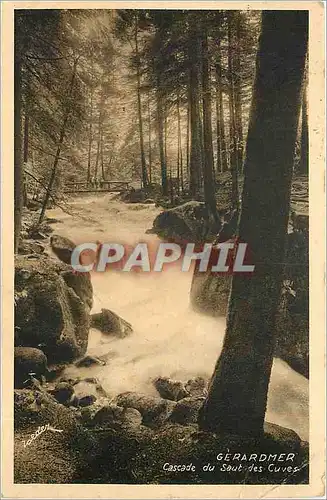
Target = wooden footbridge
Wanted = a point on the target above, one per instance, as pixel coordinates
(97, 187)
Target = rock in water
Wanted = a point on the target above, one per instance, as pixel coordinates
(109, 322)
(170, 389)
(48, 312)
(63, 392)
(29, 360)
(89, 361)
(196, 386)
(188, 223)
(62, 247)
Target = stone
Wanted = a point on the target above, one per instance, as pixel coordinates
(155, 411)
(187, 410)
(27, 361)
(57, 454)
(186, 223)
(49, 313)
(170, 389)
(281, 435)
(196, 386)
(62, 247)
(63, 393)
(89, 361)
(30, 247)
(110, 323)
(86, 400)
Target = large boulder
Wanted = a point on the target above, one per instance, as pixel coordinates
(63, 247)
(49, 313)
(186, 223)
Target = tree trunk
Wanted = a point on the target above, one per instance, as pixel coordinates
(97, 158)
(237, 397)
(179, 147)
(150, 139)
(221, 117)
(25, 153)
(60, 143)
(188, 143)
(194, 96)
(18, 164)
(145, 180)
(238, 93)
(160, 127)
(304, 159)
(100, 132)
(232, 122)
(89, 152)
(219, 166)
(102, 158)
(166, 134)
(26, 137)
(209, 184)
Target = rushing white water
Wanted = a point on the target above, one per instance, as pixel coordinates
(169, 338)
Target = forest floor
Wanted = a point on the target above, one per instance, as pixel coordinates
(169, 338)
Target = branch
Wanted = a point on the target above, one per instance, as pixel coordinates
(54, 198)
(45, 58)
(47, 153)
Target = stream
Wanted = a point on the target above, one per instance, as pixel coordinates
(169, 338)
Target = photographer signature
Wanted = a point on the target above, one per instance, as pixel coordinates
(40, 430)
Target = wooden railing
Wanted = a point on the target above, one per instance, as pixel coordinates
(96, 187)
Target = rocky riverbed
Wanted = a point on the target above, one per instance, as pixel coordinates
(124, 405)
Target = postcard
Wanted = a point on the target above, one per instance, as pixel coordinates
(163, 258)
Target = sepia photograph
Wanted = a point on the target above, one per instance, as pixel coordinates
(161, 307)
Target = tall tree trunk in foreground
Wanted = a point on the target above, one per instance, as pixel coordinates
(18, 160)
(237, 396)
(209, 184)
(145, 180)
(60, 143)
